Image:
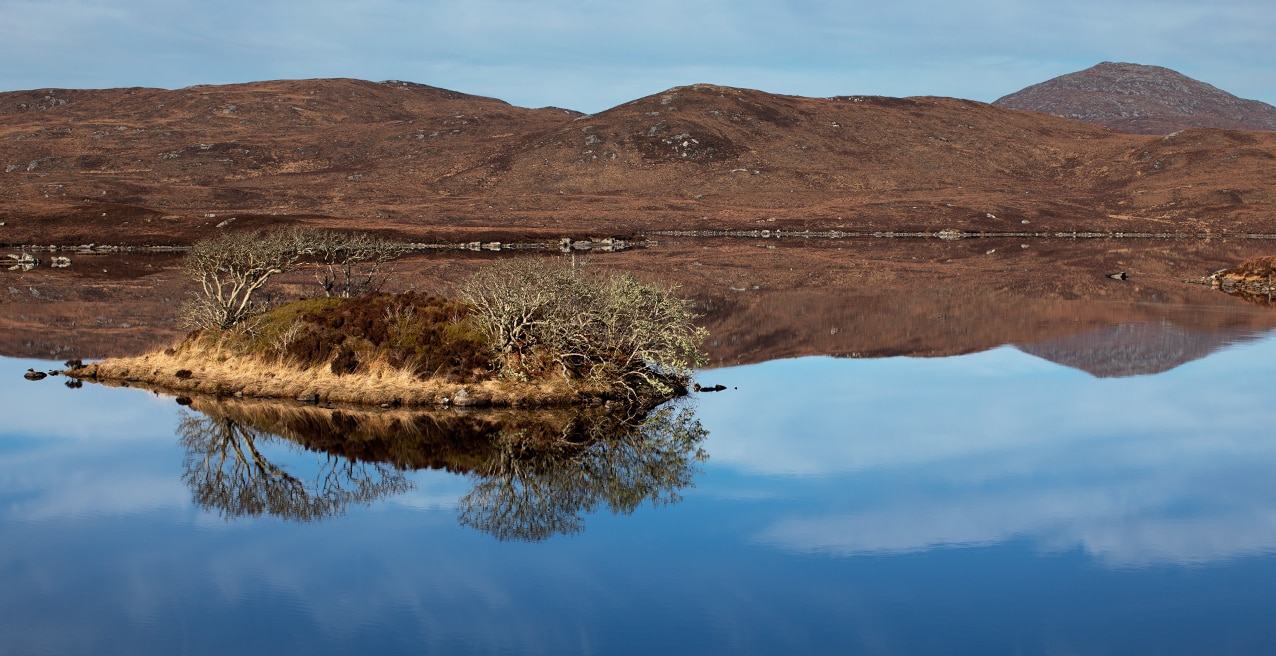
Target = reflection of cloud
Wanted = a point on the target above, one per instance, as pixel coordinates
(435, 490)
(908, 455)
(1104, 527)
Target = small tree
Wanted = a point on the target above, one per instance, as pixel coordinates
(230, 269)
(514, 299)
(612, 330)
(347, 263)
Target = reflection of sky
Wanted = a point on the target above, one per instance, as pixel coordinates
(814, 528)
(989, 447)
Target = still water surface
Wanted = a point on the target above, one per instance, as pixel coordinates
(987, 503)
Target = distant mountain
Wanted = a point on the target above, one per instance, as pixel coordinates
(1140, 99)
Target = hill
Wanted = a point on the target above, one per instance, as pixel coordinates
(1141, 100)
(150, 166)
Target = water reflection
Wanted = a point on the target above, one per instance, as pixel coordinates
(1136, 349)
(227, 473)
(532, 489)
(990, 448)
(535, 474)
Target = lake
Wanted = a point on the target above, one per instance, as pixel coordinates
(990, 467)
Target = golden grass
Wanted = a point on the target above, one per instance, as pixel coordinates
(223, 374)
(405, 350)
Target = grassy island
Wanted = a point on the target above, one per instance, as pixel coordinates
(523, 332)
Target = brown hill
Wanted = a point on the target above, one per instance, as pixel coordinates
(156, 166)
(1141, 100)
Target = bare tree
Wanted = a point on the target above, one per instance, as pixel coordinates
(514, 298)
(227, 472)
(530, 492)
(230, 269)
(612, 329)
(347, 263)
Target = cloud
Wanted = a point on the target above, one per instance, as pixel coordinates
(591, 55)
(907, 455)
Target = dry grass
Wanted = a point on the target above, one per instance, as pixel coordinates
(223, 374)
(400, 350)
(1256, 268)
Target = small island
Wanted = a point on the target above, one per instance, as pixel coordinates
(526, 331)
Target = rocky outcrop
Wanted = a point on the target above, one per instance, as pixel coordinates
(1254, 280)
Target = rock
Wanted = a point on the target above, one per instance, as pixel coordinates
(32, 374)
(463, 399)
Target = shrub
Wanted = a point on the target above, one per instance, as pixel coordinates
(612, 330)
(429, 335)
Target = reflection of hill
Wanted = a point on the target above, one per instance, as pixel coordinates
(535, 472)
(928, 299)
(765, 299)
(1133, 349)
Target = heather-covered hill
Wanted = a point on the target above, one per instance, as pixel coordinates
(154, 166)
(346, 148)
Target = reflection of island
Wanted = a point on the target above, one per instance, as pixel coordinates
(534, 489)
(766, 299)
(535, 472)
(227, 472)
(1134, 349)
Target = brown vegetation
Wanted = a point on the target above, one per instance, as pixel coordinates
(1253, 280)
(143, 166)
(386, 349)
(595, 338)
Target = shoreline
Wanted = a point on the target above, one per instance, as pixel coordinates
(181, 375)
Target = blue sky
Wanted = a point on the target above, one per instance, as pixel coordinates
(593, 54)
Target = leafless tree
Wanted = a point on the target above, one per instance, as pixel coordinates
(612, 329)
(227, 472)
(230, 269)
(347, 263)
(532, 494)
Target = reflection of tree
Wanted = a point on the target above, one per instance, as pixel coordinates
(536, 472)
(227, 472)
(536, 487)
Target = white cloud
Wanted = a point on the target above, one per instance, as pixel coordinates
(903, 455)
(594, 55)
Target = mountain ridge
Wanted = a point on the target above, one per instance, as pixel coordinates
(147, 166)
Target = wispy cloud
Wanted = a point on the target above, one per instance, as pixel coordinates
(591, 55)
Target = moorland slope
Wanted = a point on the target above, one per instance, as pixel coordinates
(151, 166)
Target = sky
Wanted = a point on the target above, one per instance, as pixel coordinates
(590, 55)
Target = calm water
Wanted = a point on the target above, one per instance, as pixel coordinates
(991, 503)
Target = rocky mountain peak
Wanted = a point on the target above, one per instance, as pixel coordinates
(1140, 99)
